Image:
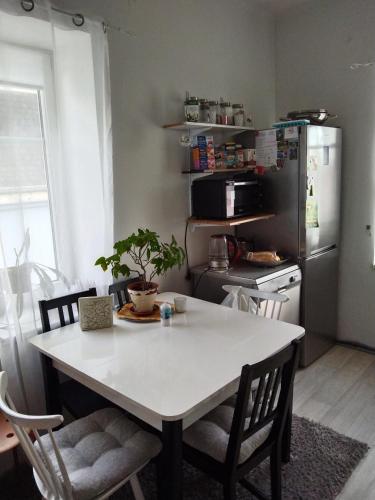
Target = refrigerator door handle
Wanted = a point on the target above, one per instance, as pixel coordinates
(321, 251)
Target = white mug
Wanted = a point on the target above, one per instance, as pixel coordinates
(180, 304)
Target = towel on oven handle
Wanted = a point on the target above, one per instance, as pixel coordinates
(236, 300)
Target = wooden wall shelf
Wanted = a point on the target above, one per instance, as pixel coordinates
(215, 170)
(196, 128)
(228, 222)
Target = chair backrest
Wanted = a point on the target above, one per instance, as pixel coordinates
(274, 378)
(120, 290)
(23, 426)
(267, 304)
(59, 303)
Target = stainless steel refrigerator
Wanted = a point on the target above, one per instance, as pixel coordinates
(304, 192)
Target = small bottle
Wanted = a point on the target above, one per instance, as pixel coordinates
(165, 314)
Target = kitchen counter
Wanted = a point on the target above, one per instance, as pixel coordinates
(246, 274)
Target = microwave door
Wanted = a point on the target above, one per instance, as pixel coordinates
(246, 197)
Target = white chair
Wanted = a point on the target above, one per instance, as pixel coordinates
(267, 304)
(90, 458)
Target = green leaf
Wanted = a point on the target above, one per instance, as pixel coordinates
(146, 250)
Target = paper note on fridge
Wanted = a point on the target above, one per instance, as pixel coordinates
(266, 148)
(291, 133)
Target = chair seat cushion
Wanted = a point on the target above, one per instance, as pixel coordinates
(210, 435)
(100, 451)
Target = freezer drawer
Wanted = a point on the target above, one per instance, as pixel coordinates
(319, 304)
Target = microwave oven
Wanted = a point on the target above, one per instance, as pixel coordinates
(223, 196)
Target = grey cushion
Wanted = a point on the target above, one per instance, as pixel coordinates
(101, 450)
(210, 435)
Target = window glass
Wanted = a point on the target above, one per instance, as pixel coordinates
(24, 200)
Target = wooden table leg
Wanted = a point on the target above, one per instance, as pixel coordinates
(51, 386)
(171, 460)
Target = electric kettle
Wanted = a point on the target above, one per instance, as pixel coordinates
(222, 251)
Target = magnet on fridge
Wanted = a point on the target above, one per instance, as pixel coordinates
(260, 170)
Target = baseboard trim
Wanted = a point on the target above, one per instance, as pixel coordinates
(356, 345)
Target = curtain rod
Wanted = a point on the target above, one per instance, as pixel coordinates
(77, 18)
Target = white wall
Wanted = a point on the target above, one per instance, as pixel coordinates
(212, 48)
(316, 44)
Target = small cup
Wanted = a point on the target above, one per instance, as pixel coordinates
(180, 304)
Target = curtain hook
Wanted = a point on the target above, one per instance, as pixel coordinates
(78, 20)
(28, 5)
(105, 26)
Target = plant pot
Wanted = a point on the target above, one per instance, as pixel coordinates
(143, 300)
(19, 277)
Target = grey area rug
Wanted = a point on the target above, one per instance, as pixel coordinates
(321, 463)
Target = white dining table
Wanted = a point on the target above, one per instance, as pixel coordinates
(168, 377)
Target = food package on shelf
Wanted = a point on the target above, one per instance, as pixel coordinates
(266, 256)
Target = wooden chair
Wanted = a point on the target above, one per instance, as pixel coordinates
(120, 291)
(75, 397)
(266, 304)
(239, 434)
(8, 439)
(90, 458)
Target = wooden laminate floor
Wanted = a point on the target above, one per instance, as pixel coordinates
(338, 390)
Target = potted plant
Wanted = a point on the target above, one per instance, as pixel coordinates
(24, 273)
(151, 258)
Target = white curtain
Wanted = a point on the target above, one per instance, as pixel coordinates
(56, 193)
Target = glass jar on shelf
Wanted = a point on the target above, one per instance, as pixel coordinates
(192, 109)
(204, 111)
(213, 111)
(238, 115)
(226, 112)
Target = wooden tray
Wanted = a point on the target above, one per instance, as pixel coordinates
(126, 313)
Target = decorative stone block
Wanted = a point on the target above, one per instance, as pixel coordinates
(95, 312)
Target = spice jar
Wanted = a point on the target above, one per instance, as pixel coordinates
(204, 111)
(238, 115)
(192, 109)
(213, 111)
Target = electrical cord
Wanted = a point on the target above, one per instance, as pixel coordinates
(198, 281)
(188, 273)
